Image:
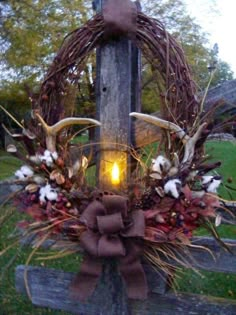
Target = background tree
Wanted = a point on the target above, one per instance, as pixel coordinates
(195, 43)
(31, 33)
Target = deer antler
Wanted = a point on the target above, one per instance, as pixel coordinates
(162, 124)
(52, 131)
(190, 145)
(189, 142)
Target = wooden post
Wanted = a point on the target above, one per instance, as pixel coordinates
(117, 94)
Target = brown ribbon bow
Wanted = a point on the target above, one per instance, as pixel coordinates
(112, 232)
(120, 17)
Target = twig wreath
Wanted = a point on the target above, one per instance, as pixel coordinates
(157, 216)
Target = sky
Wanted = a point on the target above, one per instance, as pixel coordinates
(218, 19)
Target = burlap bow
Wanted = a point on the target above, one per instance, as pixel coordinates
(120, 18)
(112, 232)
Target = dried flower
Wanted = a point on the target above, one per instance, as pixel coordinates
(31, 188)
(58, 177)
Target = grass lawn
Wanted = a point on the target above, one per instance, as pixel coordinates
(211, 283)
(11, 303)
(226, 153)
(8, 165)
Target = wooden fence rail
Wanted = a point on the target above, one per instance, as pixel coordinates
(51, 288)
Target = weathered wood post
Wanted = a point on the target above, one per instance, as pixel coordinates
(117, 94)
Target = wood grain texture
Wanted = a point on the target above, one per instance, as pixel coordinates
(207, 254)
(185, 304)
(221, 261)
(113, 99)
(117, 94)
(51, 288)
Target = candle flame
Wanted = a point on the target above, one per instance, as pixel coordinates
(115, 174)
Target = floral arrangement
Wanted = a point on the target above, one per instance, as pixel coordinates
(158, 213)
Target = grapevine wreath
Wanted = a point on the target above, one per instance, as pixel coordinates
(156, 216)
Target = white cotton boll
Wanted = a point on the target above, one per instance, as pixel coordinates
(42, 158)
(42, 190)
(49, 161)
(47, 193)
(160, 164)
(211, 183)
(48, 157)
(42, 198)
(47, 188)
(42, 194)
(52, 195)
(212, 188)
(47, 153)
(27, 171)
(206, 179)
(20, 175)
(24, 172)
(55, 155)
(172, 187)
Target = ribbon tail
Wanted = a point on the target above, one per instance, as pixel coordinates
(85, 282)
(133, 274)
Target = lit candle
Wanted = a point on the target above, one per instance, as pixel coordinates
(115, 174)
